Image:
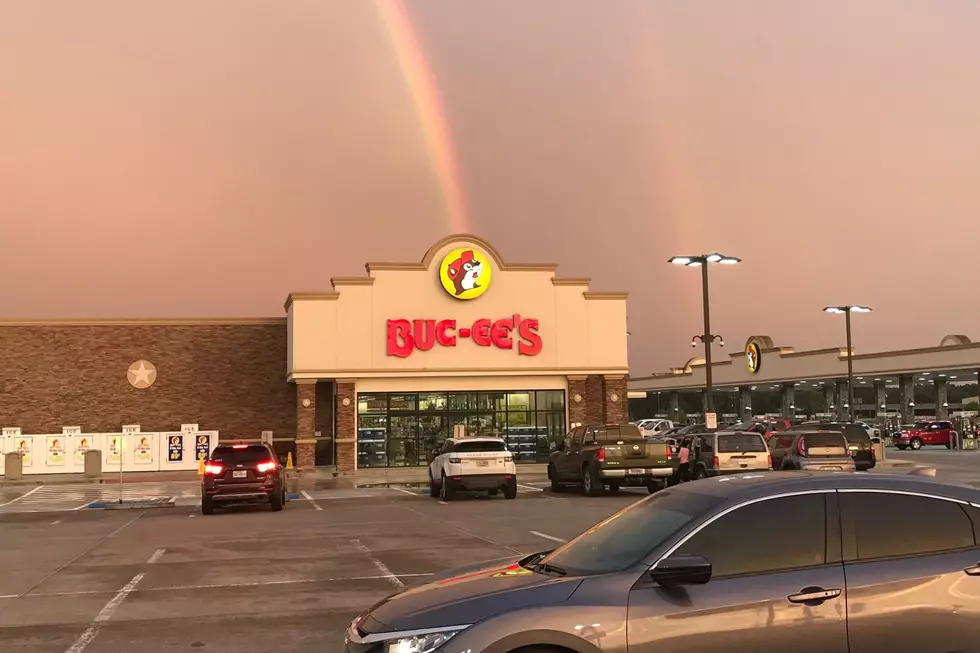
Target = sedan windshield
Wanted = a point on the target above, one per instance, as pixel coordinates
(626, 538)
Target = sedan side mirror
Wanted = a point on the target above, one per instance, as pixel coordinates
(432, 455)
(681, 569)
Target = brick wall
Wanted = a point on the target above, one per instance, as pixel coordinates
(617, 412)
(305, 425)
(346, 427)
(594, 411)
(225, 377)
(576, 409)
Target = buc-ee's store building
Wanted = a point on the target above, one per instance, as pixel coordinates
(377, 372)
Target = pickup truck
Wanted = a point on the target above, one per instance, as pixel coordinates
(920, 434)
(610, 456)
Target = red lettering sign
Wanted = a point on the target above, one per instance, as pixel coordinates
(405, 336)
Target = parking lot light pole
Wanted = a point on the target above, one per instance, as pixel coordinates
(847, 310)
(702, 261)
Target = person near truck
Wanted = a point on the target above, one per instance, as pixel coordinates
(684, 469)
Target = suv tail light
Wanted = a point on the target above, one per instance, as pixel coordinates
(601, 455)
(456, 460)
(212, 469)
(507, 459)
(800, 447)
(769, 461)
(714, 462)
(266, 466)
(239, 446)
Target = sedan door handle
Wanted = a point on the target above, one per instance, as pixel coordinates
(813, 595)
(973, 571)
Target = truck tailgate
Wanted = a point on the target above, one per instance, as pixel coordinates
(638, 454)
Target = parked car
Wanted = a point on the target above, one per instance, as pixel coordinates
(473, 464)
(610, 456)
(242, 473)
(654, 426)
(939, 432)
(810, 450)
(765, 427)
(859, 442)
(729, 452)
(836, 563)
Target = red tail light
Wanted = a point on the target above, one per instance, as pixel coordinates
(714, 462)
(239, 446)
(266, 466)
(801, 448)
(769, 461)
(668, 452)
(212, 469)
(601, 455)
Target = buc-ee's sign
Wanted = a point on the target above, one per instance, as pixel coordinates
(406, 336)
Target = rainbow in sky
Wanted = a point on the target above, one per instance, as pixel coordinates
(428, 107)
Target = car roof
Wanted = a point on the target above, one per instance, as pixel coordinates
(745, 487)
(478, 438)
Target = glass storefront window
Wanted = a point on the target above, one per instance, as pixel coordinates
(372, 404)
(520, 401)
(550, 400)
(401, 429)
(402, 402)
(491, 401)
(432, 401)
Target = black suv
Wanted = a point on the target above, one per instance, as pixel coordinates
(242, 473)
(858, 441)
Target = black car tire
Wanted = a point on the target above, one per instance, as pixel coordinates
(901, 447)
(447, 491)
(614, 487)
(276, 500)
(510, 489)
(434, 488)
(207, 506)
(656, 486)
(556, 485)
(916, 444)
(700, 473)
(591, 486)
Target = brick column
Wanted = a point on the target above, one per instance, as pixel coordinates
(616, 406)
(346, 430)
(305, 424)
(594, 400)
(576, 409)
(906, 388)
(942, 397)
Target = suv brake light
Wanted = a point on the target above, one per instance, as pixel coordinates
(800, 447)
(714, 462)
(601, 455)
(769, 461)
(507, 459)
(266, 466)
(456, 460)
(212, 469)
(668, 451)
(239, 446)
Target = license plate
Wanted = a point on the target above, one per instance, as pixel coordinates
(483, 463)
(831, 467)
(241, 474)
(636, 471)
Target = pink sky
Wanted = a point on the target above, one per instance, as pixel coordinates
(206, 158)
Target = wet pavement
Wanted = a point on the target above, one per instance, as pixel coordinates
(171, 580)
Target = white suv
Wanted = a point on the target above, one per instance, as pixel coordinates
(480, 464)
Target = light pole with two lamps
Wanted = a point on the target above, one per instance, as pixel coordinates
(847, 310)
(706, 338)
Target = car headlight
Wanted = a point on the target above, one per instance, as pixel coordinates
(420, 643)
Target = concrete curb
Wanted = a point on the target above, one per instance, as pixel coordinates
(134, 504)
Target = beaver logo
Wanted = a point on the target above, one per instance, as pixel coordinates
(753, 357)
(465, 273)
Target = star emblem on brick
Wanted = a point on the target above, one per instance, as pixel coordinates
(142, 374)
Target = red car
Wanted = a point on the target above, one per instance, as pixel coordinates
(765, 427)
(921, 434)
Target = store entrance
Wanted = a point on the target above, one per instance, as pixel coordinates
(399, 429)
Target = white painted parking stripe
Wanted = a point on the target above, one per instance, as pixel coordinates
(528, 487)
(156, 556)
(408, 492)
(380, 566)
(104, 615)
(26, 494)
(548, 537)
(306, 495)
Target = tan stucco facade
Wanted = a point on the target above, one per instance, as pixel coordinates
(344, 335)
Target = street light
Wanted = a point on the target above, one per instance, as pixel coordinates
(847, 310)
(706, 338)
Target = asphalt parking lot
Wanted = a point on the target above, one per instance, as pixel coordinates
(170, 579)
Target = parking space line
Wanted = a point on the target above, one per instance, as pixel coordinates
(409, 492)
(84, 505)
(57, 521)
(16, 499)
(380, 566)
(156, 556)
(548, 537)
(104, 615)
(306, 495)
(528, 487)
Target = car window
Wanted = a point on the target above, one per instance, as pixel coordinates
(856, 434)
(628, 536)
(892, 525)
(945, 425)
(811, 440)
(707, 445)
(479, 445)
(784, 442)
(252, 453)
(617, 433)
(793, 529)
(740, 442)
(577, 436)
